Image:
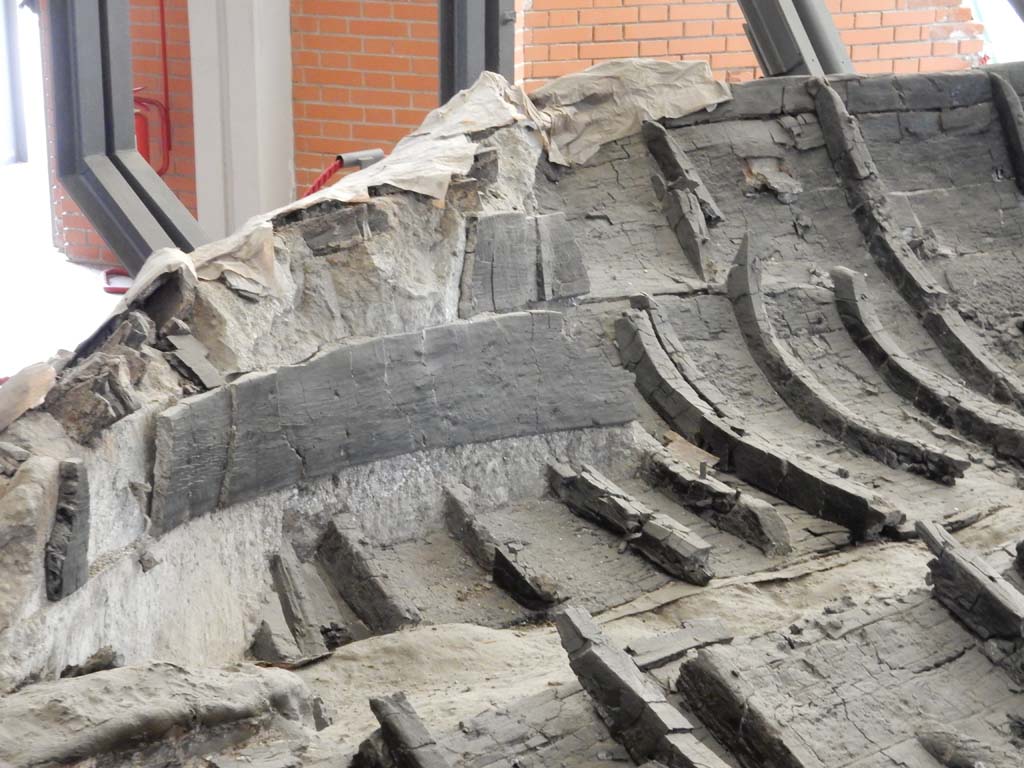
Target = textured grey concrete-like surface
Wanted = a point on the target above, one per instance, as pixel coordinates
(324, 444)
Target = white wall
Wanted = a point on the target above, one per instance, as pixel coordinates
(242, 109)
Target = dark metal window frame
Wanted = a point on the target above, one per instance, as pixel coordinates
(476, 35)
(794, 37)
(97, 160)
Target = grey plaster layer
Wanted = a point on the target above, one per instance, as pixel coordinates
(940, 397)
(973, 590)
(864, 686)
(27, 509)
(519, 374)
(633, 707)
(67, 551)
(120, 713)
(810, 400)
(786, 475)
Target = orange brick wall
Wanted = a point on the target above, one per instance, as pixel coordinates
(563, 36)
(364, 75)
(72, 232)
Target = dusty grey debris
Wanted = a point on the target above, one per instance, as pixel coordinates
(971, 588)
(665, 648)
(172, 708)
(67, 551)
(752, 519)
(1011, 116)
(632, 706)
(515, 572)
(105, 658)
(560, 266)
(810, 399)
(517, 374)
(405, 738)
(191, 354)
(361, 581)
(147, 560)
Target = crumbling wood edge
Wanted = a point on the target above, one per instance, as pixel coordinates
(751, 458)
(689, 206)
(945, 400)
(286, 576)
(403, 740)
(868, 196)
(66, 559)
(361, 582)
(727, 705)
(665, 542)
(632, 706)
(513, 570)
(811, 400)
(970, 588)
(752, 519)
(702, 385)
(1011, 117)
